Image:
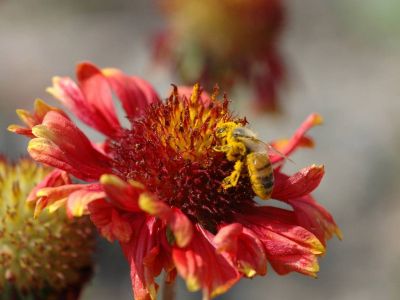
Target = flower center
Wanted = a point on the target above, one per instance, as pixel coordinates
(171, 151)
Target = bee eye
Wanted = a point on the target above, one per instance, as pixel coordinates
(220, 130)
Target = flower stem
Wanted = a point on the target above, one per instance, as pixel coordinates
(169, 290)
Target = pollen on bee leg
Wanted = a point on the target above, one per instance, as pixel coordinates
(224, 148)
(233, 179)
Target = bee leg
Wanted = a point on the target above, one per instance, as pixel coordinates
(224, 148)
(232, 179)
(236, 150)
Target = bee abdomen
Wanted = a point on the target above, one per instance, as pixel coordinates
(261, 174)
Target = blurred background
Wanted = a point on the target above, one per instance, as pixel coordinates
(343, 60)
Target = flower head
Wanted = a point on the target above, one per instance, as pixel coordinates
(47, 255)
(177, 188)
(225, 41)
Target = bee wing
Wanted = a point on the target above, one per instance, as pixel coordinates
(273, 151)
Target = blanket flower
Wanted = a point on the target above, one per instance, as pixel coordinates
(157, 187)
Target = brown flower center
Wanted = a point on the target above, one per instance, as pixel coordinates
(171, 151)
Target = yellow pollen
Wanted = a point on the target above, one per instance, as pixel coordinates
(188, 125)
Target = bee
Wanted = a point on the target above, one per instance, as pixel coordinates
(241, 145)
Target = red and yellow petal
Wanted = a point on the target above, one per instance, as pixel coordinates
(143, 254)
(297, 140)
(244, 248)
(297, 185)
(53, 179)
(78, 201)
(202, 267)
(122, 194)
(60, 144)
(315, 218)
(41, 108)
(75, 197)
(288, 247)
(177, 221)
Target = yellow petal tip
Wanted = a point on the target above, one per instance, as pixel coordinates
(109, 179)
(318, 119)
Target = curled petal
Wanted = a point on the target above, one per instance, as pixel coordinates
(288, 247)
(244, 248)
(78, 201)
(75, 196)
(91, 101)
(133, 197)
(297, 185)
(181, 227)
(135, 93)
(54, 178)
(41, 108)
(54, 197)
(202, 267)
(143, 254)
(297, 140)
(315, 218)
(177, 221)
(62, 145)
(121, 194)
(111, 224)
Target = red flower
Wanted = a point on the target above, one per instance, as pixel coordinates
(157, 186)
(226, 41)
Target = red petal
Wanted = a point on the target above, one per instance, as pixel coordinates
(297, 185)
(111, 224)
(122, 194)
(203, 267)
(62, 145)
(143, 255)
(177, 221)
(97, 93)
(181, 227)
(244, 248)
(78, 201)
(297, 139)
(135, 93)
(288, 247)
(75, 196)
(315, 218)
(54, 178)
(94, 111)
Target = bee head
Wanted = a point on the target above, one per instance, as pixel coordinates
(223, 129)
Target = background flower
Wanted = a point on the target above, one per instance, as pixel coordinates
(48, 257)
(226, 42)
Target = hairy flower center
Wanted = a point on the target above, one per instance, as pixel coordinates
(171, 151)
(38, 254)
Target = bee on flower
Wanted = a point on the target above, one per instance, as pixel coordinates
(225, 41)
(169, 189)
(48, 257)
